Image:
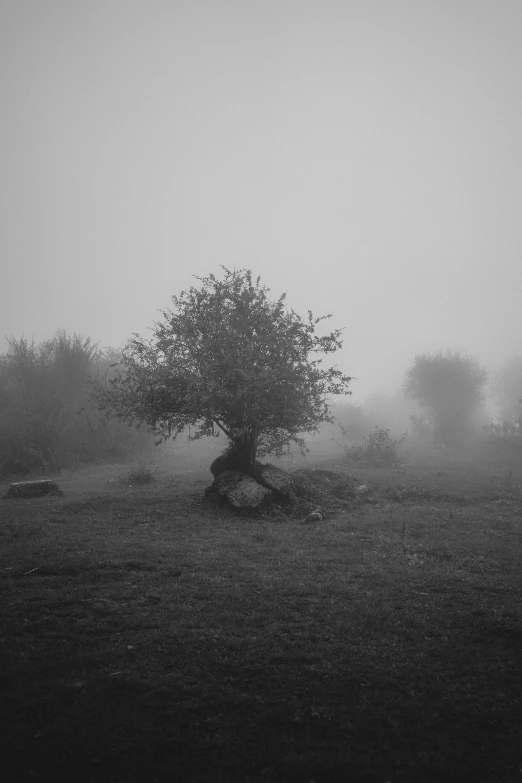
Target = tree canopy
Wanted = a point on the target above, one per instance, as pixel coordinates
(450, 386)
(228, 358)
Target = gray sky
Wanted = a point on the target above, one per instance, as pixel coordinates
(364, 157)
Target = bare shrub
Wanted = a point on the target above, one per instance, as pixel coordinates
(378, 449)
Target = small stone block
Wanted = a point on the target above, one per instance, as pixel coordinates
(33, 489)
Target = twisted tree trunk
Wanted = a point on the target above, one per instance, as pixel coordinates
(240, 455)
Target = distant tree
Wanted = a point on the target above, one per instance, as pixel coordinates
(228, 359)
(449, 387)
(507, 390)
(46, 417)
(41, 388)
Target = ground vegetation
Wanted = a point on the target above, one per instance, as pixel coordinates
(148, 635)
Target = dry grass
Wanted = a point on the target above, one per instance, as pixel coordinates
(148, 636)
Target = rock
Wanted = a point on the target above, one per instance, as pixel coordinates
(362, 489)
(249, 494)
(241, 490)
(274, 478)
(227, 481)
(314, 516)
(32, 489)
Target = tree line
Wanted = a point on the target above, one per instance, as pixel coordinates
(226, 359)
(48, 417)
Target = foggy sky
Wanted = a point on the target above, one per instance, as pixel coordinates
(364, 157)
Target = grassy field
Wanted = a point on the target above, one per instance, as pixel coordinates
(150, 636)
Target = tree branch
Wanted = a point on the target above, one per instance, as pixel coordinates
(228, 434)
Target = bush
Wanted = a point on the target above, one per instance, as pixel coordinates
(503, 429)
(378, 449)
(139, 475)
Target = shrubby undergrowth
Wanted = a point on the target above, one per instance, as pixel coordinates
(378, 449)
(47, 418)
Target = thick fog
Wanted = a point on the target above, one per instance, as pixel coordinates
(363, 157)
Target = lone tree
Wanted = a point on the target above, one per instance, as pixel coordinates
(228, 358)
(449, 387)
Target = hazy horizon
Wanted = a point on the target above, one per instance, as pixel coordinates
(363, 157)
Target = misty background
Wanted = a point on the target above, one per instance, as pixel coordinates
(364, 157)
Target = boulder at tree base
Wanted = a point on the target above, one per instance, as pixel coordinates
(241, 490)
(274, 478)
(313, 493)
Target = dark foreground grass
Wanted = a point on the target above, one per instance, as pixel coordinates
(147, 636)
